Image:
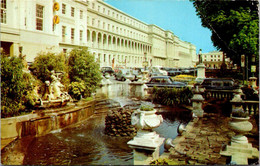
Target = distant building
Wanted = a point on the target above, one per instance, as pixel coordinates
(214, 59)
(114, 37)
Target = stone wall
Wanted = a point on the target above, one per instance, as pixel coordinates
(118, 123)
(40, 123)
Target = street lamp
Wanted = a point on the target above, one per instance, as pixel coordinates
(200, 56)
(145, 61)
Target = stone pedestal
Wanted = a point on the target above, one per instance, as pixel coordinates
(138, 89)
(197, 101)
(145, 152)
(201, 70)
(240, 153)
(237, 100)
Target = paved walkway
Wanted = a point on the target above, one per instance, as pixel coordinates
(203, 140)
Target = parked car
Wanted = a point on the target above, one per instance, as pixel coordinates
(139, 69)
(154, 72)
(164, 81)
(173, 72)
(185, 70)
(124, 74)
(108, 70)
(219, 84)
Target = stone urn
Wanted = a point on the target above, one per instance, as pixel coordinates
(146, 143)
(240, 125)
(145, 121)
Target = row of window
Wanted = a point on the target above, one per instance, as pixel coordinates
(94, 38)
(119, 59)
(72, 11)
(213, 60)
(212, 56)
(39, 15)
(119, 17)
(103, 25)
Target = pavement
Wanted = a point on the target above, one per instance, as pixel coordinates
(203, 140)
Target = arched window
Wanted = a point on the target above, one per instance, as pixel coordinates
(88, 35)
(93, 36)
(104, 39)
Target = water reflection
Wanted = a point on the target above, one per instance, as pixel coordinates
(86, 144)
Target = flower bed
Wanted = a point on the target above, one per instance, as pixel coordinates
(184, 78)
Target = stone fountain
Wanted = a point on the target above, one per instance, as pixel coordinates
(54, 93)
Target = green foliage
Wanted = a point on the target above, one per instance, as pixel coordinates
(82, 67)
(172, 96)
(163, 162)
(16, 86)
(234, 26)
(88, 99)
(76, 89)
(146, 108)
(44, 63)
(250, 93)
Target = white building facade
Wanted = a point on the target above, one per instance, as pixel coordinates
(112, 36)
(215, 59)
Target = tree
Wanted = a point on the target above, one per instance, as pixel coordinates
(234, 26)
(16, 86)
(44, 63)
(83, 68)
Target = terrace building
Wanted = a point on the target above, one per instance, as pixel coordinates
(112, 36)
(214, 59)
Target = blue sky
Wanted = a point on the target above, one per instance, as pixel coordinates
(178, 16)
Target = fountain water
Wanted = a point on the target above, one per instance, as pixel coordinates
(86, 143)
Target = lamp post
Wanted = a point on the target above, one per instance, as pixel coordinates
(145, 61)
(200, 56)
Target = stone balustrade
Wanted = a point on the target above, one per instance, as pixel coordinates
(219, 94)
(251, 106)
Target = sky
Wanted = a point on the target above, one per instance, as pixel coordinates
(178, 16)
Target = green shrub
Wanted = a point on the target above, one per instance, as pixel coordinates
(146, 108)
(172, 96)
(16, 87)
(82, 67)
(76, 89)
(249, 93)
(163, 162)
(44, 63)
